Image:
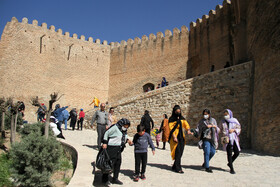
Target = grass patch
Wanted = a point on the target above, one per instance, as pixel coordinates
(5, 174)
(66, 180)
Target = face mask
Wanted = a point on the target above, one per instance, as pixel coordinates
(124, 129)
(227, 117)
(206, 116)
(177, 114)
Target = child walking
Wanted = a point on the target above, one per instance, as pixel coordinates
(141, 141)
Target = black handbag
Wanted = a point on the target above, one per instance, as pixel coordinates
(103, 162)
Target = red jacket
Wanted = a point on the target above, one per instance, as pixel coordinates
(81, 114)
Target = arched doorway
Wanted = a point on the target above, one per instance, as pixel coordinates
(148, 87)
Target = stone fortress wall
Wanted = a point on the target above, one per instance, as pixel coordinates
(37, 60)
(137, 62)
(216, 39)
(217, 91)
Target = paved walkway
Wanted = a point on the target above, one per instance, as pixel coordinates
(251, 169)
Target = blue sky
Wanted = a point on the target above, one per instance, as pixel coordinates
(111, 20)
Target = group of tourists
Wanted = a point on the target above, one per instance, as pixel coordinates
(113, 138)
(61, 116)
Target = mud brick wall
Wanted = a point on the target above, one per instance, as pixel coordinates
(36, 61)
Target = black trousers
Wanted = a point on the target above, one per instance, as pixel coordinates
(230, 149)
(73, 123)
(81, 120)
(140, 158)
(178, 155)
(116, 157)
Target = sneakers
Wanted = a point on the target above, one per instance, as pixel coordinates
(208, 170)
(136, 178)
(117, 181)
(232, 171)
(143, 177)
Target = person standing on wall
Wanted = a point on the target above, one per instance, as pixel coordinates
(59, 115)
(65, 118)
(177, 138)
(163, 82)
(101, 118)
(146, 121)
(96, 102)
(231, 129)
(112, 118)
(81, 119)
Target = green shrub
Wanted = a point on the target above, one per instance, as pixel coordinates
(35, 127)
(34, 159)
(4, 171)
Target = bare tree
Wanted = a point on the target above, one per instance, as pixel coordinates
(35, 102)
(3, 109)
(14, 112)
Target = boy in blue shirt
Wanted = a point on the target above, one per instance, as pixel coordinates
(141, 141)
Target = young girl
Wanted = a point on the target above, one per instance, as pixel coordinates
(157, 138)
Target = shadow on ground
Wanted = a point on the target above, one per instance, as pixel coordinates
(127, 172)
(194, 167)
(91, 146)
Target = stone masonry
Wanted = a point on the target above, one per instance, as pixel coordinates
(137, 62)
(37, 60)
(226, 88)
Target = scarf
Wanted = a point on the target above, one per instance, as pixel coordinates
(231, 120)
(178, 119)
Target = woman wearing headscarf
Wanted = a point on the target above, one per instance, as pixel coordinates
(164, 128)
(114, 141)
(177, 137)
(208, 130)
(231, 128)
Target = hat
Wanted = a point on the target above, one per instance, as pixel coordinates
(82, 109)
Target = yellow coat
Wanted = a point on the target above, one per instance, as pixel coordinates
(173, 145)
(96, 102)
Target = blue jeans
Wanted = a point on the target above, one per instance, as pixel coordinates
(65, 123)
(209, 152)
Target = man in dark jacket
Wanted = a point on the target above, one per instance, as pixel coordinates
(146, 121)
(73, 117)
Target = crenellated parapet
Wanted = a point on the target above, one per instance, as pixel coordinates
(59, 31)
(210, 41)
(214, 16)
(152, 39)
